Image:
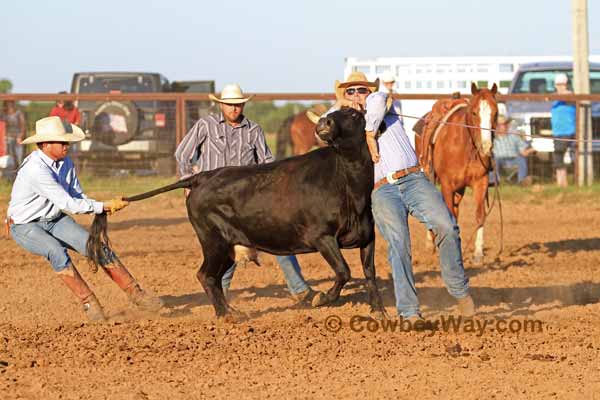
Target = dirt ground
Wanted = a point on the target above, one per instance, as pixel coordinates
(548, 272)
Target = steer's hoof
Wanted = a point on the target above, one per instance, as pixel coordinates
(320, 299)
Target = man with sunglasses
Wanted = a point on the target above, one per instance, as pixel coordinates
(230, 139)
(401, 189)
(47, 187)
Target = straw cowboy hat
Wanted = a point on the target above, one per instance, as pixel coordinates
(231, 94)
(54, 129)
(356, 78)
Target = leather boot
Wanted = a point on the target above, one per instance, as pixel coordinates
(466, 306)
(92, 308)
(121, 276)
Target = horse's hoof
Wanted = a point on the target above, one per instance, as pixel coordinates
(320, 299)
(237, 314)
(227, 318)
(478, 259)
(379, 315)
(233, 318)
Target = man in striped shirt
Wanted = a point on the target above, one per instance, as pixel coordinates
(230, 139)
(401, 189)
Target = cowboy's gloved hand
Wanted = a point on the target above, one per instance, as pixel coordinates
(114, 205)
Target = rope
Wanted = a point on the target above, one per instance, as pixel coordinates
(493, 130)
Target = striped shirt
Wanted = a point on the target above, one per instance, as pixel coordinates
(395, 149)
(213, 143)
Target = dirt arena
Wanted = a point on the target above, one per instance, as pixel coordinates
(549, 272)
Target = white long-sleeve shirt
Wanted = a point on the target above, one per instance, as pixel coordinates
(45, 188)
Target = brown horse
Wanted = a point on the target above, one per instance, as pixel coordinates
(300, 130)
(461, 155)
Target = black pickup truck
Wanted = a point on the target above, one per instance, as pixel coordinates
(132, 137)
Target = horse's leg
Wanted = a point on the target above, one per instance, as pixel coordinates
(458, 196)
(330, 251)
(479, 192)
(430, 241)
(367, 257)
(449, 198)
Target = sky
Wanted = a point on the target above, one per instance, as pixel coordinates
(267, 46)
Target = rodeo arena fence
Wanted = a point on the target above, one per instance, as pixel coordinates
(137, 133)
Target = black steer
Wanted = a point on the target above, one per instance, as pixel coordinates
(320, 201)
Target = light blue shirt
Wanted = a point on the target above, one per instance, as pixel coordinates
(395, 149)
(43, 191)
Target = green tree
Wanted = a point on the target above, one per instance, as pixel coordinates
(5, 86)
(270, 116)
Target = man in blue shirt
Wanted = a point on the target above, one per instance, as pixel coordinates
(563, 127)
(401, 189)
(47, 187)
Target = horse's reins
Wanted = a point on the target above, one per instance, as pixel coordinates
(486, 213)
(532, 135)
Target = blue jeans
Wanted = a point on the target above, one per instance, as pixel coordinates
(15, 150)
(520, 162)
(415, 195)
(51, 239)
(291, 271)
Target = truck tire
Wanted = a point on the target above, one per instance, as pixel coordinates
(114, 122)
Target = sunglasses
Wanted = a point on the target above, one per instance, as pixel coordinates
(360, 90)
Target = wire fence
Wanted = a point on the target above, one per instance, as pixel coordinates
(137, 133)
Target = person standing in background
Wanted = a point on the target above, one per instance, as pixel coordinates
(66, 111)
(230, 139)
(15, 130)
(563, 127)
(388, 81)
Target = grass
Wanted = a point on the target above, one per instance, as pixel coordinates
(536, 194)
(550, 192)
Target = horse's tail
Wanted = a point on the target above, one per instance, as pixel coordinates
(284, 137)
(98, 245)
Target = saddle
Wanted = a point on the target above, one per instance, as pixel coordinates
(429, 126)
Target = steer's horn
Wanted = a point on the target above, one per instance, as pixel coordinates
(314, 118)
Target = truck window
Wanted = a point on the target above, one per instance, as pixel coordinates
(125, 84)
(543, 81)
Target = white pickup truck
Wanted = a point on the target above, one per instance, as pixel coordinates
(533, 118)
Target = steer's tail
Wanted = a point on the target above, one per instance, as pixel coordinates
(98, 246)
(182, 184)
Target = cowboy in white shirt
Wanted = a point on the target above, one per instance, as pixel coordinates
(46, 187)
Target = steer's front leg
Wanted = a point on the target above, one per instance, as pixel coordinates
(330, 250)
(367, 257)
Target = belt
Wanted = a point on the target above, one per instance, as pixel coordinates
(397, 175)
